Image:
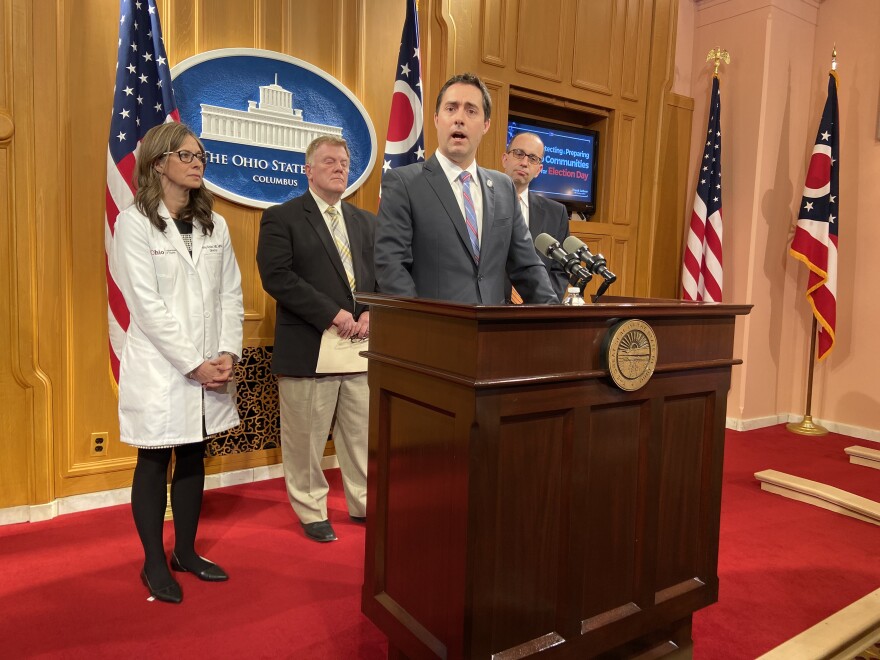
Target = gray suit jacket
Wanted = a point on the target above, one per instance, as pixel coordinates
(422, 247)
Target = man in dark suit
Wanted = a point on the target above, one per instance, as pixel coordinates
(450, 230)
(314, 251)
(522, 163)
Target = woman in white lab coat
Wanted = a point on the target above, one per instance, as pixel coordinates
(173, 261)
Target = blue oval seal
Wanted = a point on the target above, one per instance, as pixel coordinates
(256, 112)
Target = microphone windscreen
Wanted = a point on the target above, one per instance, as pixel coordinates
(543, 243)
(573, 244)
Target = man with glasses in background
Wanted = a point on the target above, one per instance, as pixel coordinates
(522, 162)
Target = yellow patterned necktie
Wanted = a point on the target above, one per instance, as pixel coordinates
(342, 245)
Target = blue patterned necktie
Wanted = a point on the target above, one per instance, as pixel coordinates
(470, 213)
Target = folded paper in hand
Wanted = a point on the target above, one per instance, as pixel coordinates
(341, 356)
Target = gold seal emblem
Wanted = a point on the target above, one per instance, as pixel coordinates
(631, 354)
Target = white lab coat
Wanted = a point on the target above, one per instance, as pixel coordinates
(184, 310)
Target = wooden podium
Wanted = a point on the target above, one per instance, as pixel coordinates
(519, 502)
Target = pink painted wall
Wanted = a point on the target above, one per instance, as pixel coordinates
(847, 383)
(772, 97)
(684, 49)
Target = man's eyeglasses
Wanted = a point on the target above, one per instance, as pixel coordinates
(187, 156)
(519, 154)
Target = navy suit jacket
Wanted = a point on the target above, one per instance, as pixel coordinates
(422, 247)
(301, 269)
(547, 216)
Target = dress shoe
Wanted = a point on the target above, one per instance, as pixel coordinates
(320, 531)
(211, 573)
(358, 519)
(170, 594)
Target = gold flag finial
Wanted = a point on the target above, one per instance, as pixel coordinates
(834, 57)
(719, 56)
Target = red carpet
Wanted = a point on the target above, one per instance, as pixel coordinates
(70, 588)
(785, 565)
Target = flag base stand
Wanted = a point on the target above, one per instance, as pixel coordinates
(806, 427)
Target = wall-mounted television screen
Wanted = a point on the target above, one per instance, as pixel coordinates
(568, 174)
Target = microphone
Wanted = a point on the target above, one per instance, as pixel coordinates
(550, 248)
(595, 262)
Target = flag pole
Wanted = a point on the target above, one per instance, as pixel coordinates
(702, 273)
(806, 426)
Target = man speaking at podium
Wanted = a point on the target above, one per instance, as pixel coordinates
(522, 163)
(450, 230)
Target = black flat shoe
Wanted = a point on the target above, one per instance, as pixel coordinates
(170, 594)
(211, 573)
(358, 519)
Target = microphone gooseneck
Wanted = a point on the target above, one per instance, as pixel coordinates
(595, 263)
(550, 248)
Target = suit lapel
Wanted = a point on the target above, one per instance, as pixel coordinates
(438, 181)
(316, 220)
(536, 216)
(355, 240)
(198, 240)
(488, 188)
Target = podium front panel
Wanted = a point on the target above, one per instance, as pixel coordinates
(540, 512)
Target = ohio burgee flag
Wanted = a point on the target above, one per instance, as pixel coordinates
(815, 239)
(405, 142)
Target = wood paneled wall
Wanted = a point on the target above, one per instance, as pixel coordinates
(593, 58)
(611, 58)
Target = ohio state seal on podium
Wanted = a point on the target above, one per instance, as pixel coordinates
(630, 353)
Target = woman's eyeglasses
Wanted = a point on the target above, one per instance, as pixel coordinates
(187, 156)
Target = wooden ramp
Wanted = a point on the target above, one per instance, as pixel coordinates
(864, 456)
(819, 494)
(841, 636)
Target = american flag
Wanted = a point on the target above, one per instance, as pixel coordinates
(405, 142)
(701, 273)
(815, 239)
(142, 99)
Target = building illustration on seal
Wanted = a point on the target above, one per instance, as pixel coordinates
(273, 122)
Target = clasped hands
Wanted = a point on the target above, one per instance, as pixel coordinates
(347, 327)
(213, 374)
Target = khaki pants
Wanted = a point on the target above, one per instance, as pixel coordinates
(307, 408)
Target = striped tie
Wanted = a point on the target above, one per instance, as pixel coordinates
(341, 240)
(470, 213)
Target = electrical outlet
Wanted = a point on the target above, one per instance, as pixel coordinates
(99, 444)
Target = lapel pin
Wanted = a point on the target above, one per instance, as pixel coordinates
(489, 183)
